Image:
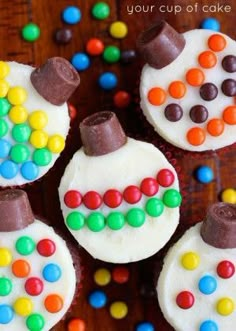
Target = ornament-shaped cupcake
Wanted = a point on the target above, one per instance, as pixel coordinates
(119, 196)
(37, 276)
(188, 86)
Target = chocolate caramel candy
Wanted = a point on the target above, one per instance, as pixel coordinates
(55, 80)
(15, 210)
(101, 133)
(219, 227)
(160, 45)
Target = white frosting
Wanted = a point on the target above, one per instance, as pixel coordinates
(126, 166)
(65, 286)
(58, 117)
(175, 279)
(175, 132)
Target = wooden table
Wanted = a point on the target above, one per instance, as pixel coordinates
(139, 292)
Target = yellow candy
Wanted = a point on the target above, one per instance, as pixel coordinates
(17, 95)
(5, 257)
(4, 87)
(190, 260)
(118, 30)
(23, 306)
(225, 306)
(39, 139)
(18, 114)
(4, 69)
(38, 119)
(118, 310)
(229, 195)
(102, 277)
(56, 143)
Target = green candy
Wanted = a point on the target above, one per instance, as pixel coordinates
(154, 207)
(135, 217)
(75, 220)
(3, 128)
(172, 198)
(35, 322)
(4, 106)
(19, 153)
(30, 32)
(21, 133)
(25, 245)
(111, 54)
(115, 220)
(96, 222)
(100, 10)
(5, 286)
(42, 157)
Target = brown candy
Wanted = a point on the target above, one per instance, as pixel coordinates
(229, 63)
(160, 45)
(219, 228)
(228, 87)
(198, 114)
(101, 133)
(63, 36)
(55, 80)
(208, 91)
(15, 210)
(173, 112)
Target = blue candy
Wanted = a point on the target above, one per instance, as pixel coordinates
(207, 284)
(8, 169)
(208, 326)
(145, 326)
(5, 147)
(6, 314)
(204, 174)
(107, 80)
(210, 24)
(71, 15)
(80, 61)
(29, 170)
(97, 299)
(51, 272)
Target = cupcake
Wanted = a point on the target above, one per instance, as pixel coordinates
(37, 275)
(197, 285)
(119, 196)
(188, 86)
(34, 119)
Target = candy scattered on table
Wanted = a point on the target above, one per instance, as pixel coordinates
(204, 174)
(94, 46)
(63, 36)
(145, 326)
(102, 277)
(76, 324)
(210, 23)
(80, 61)
(229, 195)
(120, 274)
(108, 80)
(30, 32)
(122, 99)
(127, 56)
(97, 299)
(111, 54)
(118, 30)
(118, 309)
(100, 10)
(71, 15)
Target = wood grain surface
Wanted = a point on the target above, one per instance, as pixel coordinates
(139, 292)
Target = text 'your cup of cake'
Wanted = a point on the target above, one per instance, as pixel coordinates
(188, 86)
(119, 196)
(34, 119)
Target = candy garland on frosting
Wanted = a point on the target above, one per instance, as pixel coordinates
(112, 198)
(196, 77)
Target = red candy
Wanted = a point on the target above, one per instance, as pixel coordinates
(94, 46)
(92, 200)
(46, 247)
(132, 194)
(185, 300)
(165, 177)
(72, 111)
(225, 269)
(120, 274)
(73, 199)
(112, 198)
(149, 186)
(34, 286)
(122, 99)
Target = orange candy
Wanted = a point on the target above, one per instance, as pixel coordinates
(207, 59)
(76, 324)
(156, 96)
(195, 77)
(94, 46)
(177, 89)
(53, 303)
(196, 136)
(216, 42)
(215, 127)
(20, 268)
(229, 115)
